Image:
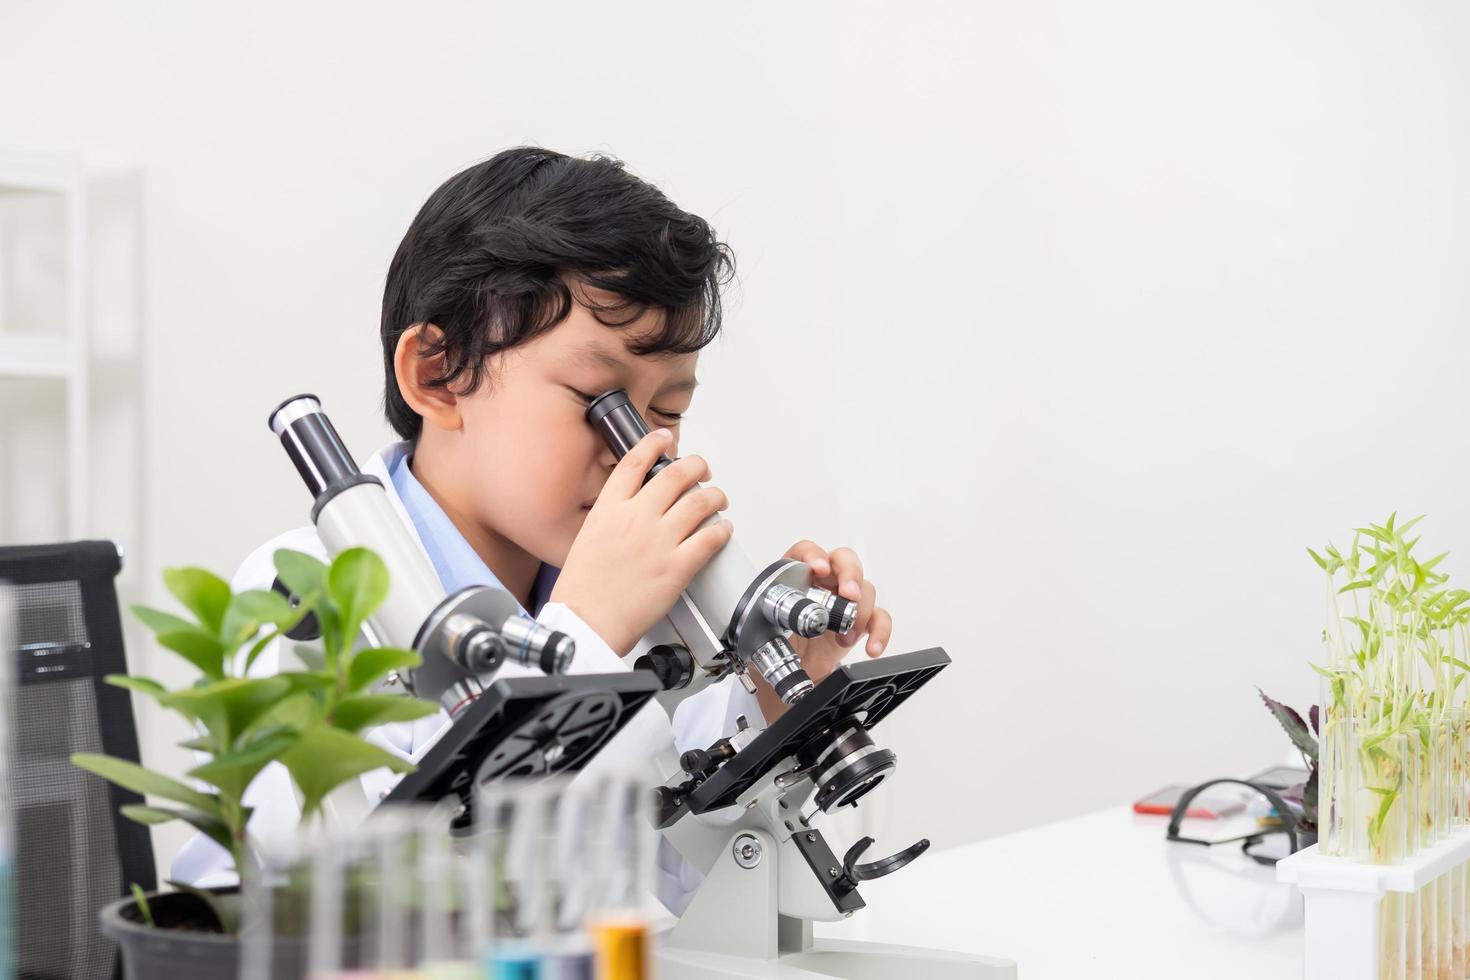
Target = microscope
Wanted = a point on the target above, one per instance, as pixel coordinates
(498, 726)
(744, 810)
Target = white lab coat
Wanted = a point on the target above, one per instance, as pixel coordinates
(700, 721)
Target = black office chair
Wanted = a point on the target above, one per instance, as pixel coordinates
(74, 852)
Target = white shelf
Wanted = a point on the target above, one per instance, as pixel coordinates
(25, 356)
(63, 355)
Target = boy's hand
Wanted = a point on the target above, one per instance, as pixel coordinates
(840, 571)
(641, 544)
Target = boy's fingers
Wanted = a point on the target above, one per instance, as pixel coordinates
(812, 554)
(692, 509)
(880, 630)
(848, 569)
(663, 490)
(867, 601)
(628, 475)
(704, 544)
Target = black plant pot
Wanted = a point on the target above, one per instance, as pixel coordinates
(185, 941)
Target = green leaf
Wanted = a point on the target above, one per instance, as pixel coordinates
(298, 712)
(374, 663)
(203, 593)
(311, 656)
(252, 609)
(1361, 584)
(233, 771)
(325, 758)
(1405, 527)
(210, 826)
(306, 680)
(304, 575)
(130, 775)
(257, 649)
(141, 897)
(357, 584)
(161, 622)
(149, 814)
(1321, 562)
(204, 743)
(228, 707)
(142, 685)
(358, 711)
(200, 647)
(1385, 806)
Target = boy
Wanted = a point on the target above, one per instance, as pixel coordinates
(526, 286)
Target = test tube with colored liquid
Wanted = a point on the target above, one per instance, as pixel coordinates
(536, 851)
(624, 848)
(571, 815)
(507, 818)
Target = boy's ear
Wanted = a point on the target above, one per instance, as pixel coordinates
(438, 407)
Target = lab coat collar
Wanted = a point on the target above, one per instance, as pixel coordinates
(456, 564)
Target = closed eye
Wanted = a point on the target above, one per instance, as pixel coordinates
(674, 417)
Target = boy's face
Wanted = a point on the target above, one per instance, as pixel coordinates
(531, 464)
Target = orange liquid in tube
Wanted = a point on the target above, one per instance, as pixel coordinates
(622, 949)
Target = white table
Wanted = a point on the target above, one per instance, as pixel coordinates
(1097, 896)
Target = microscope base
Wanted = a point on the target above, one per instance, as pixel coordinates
(732, 930)
(829, 958)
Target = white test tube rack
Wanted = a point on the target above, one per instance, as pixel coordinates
(1342, 897)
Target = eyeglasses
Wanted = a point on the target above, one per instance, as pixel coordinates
(1248, 841)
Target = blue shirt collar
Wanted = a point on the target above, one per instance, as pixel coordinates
(454, 560)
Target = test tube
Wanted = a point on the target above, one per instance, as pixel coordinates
(275, 888)
(1337, 769)
(509, 815)
(625, 855)
(570, 814)
(537, 841)
(343, 905)
(444, 951)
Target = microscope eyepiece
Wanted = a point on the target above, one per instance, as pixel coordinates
(605, 403)
(314, 446)
(620, 426)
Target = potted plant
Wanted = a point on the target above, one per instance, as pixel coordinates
(309, 720)
(1305, 740)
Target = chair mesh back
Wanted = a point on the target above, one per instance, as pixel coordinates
(74, 853)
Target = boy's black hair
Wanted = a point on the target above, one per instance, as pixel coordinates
(489, 258)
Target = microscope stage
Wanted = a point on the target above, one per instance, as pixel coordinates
(526, 726)
(869, 690)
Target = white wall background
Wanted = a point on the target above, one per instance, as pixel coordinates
(1107, 310)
